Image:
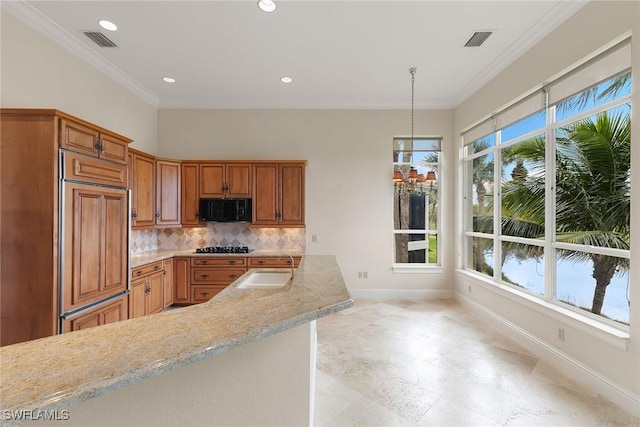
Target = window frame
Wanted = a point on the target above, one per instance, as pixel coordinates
(549, 243)
(425, 267)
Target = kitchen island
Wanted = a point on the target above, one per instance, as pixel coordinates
(239, 358)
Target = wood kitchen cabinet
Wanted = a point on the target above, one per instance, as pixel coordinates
(44, 243)
(110, 312)
(146, 295)
(181, 279)
(229, 179)
(273, 262)
(84, 138)
(190, 194)
(278, 194)
(167, 282)
(94, 250)
(142, 179)
(209, 276)
(167, 193)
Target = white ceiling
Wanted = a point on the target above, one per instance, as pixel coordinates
(341, 54)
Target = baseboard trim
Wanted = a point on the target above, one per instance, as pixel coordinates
(619, 395)
(413, 294)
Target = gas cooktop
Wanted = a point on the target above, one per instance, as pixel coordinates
(224, 250)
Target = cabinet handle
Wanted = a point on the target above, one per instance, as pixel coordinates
(134, 214)
(157, 214)
(147, 290)
(261, 262)
(138, 273)
(197, 213)
(205, 261)
(204, 276)
(232, 262)
(233, 276)
(157, 267)
(204, 294)
(278, 214)
(289, 262)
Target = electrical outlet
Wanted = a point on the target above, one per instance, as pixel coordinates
(561, 334)
(314, 238)
(365, 274)
(359, 274)
(469, 288)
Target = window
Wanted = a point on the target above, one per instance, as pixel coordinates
(547, 191)
(416, 214)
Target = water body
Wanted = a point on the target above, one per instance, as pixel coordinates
(574, 284)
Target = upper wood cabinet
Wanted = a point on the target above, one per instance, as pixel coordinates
(87, 139)
(190, 194)
(167, 193)
(142, 179)
(225, 180)
(278, 194)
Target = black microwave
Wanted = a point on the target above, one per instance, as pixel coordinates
(225, 210)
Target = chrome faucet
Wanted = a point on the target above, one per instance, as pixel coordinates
(292, 262)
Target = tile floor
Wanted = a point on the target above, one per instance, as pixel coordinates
(434, 363)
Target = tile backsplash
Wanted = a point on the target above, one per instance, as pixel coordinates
(218, 234)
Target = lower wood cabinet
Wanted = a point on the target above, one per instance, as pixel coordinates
(146, 294)
(167, 282)
(110, 312)
(181, 280)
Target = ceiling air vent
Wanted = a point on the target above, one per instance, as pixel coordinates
(478, 38)
(99, 39)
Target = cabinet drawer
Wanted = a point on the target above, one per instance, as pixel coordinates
(89, 169)
(110, 312)
(219, 262)
(146, 269)
(215, 276)
(273, 261)
(202, 293)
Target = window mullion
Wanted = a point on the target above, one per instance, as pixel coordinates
(550, 207)
(497, 208)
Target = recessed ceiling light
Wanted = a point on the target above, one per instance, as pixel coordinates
(169, 79)
(286, 79)
(108, 25)
(267, 5)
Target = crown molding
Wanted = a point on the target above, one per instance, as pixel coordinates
(310, 105)
(556, 16)
(32, 17)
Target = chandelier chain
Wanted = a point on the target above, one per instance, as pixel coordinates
(412, 70)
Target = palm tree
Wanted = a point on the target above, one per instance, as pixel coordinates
(481, 177)
(592, 193)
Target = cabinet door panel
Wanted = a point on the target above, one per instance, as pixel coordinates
(144, 191)
(113, 149)
(114, 312)
(167, 193)
(292, 194)
(155, 299)
(265, 185)
(181, 271)
(211, 180)
(238, 179)
(190, 196)
(137, 298)
(115, 241)
(82, 245)
(167, 283)
(79, 138)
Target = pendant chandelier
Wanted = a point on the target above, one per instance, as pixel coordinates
(413, 182)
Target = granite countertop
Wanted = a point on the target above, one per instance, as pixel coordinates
(55, 372)
(153, 256)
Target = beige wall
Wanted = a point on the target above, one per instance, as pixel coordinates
(35, 72)
(613, 370)
(348, 182)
